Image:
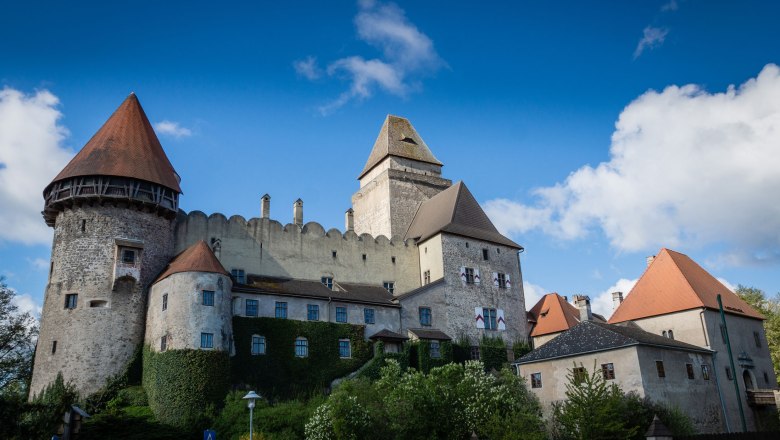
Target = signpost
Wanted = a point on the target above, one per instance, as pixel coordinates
(209, 434)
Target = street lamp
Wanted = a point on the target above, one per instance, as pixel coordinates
(251, 396)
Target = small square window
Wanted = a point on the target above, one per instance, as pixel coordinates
(389, 285)
(333, 254)
(608, 371)
(251, 307)
(705, 372)
(208, 297)
(425, 316)
(536, 380)
(435, 350)
(364, 257)
(368, 316)
(659, 366)
(579, 374)
(392, 260)
(689, 370)
(328, 282)
(207, 340)
(239, 276)
(163, 343)
(281, 310)
(71, 300)
(345, 349)
(485, 254)
(312, 312)
(341, 314)
(128, 256)
(258, 345)
(165, 302)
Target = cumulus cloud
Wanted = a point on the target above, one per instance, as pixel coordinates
(407, 55)
(308, 68)
(26, 303)
(686, 166)
(652, 37)
(31, 154)
(602, 303)
(533, 293)
(170, 128)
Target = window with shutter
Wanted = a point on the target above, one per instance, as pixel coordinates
(508, 282)
(495, 279)
(500, 319)
(480, 320)
(476, 276)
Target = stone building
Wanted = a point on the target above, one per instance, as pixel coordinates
(418, 258)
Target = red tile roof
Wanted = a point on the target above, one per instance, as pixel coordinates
(196, 258)
(553, 314)
(125, 146)
(673, 283)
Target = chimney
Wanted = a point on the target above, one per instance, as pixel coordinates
(298, 212)
(565, 298)
(649, 260)
(617, 299)
(265, 206)
(583, 303)
(349, 220)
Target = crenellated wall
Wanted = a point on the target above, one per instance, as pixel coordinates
(266, 247)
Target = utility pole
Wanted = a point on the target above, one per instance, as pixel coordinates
(731, 361)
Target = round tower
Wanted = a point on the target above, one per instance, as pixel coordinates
(112, 209)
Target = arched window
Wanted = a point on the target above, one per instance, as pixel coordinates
(671, 334)
(664, 334)
(301, 347)
(258, 344)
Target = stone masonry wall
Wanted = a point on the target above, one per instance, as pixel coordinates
(94, 343)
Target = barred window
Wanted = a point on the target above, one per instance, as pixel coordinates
(71, 300)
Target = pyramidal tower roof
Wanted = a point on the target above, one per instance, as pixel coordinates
(125, 146)
(398, 138)
(455, 210)
(673, 283)
(196, 258)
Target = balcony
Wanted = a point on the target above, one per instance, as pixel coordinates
(757, 397)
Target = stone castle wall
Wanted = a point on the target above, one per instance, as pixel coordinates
(97, 338)
(264, 246)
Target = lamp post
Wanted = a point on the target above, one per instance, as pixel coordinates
(251, 396)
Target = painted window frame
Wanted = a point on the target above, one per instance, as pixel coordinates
(312, 312)
(208, 298)
(426, 316)
(280, 310)
(369, 316)
(206, 340)
(257, 345)
(342, 315)
(345, 349)
(301, 347)
(251, 307)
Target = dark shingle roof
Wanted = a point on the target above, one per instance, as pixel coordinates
(345, 292)
(398, 138)
(196, 258)
(125, 146)
(387, 335)
(589, 336)
(455, 210)
(424, 333)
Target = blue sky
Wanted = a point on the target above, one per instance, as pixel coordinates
(561, 117)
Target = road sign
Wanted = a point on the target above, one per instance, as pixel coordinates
(209, 435)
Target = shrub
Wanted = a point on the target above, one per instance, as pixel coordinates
(492, 353)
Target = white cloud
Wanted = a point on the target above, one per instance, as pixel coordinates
(171, 128)
(652, 37)
(602, 303)
(670, 6)
(533, 293)
(26, 303)
(726, 283)
(308, 68)
(39, 263)
(31, 155)
(407, 55)
(686, 167)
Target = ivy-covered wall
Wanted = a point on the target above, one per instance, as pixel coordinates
(183, 386)
(420, 355)
(279, 373)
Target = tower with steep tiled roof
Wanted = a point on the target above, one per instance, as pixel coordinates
(112, 209)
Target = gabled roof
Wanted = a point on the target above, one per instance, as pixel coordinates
(398, 138)
(387, 335)
(429, 334)
(345, 292)
(590, 337)
(125, 146)
(553, 314)
(673, 283)
(196, 258)
(455, 210)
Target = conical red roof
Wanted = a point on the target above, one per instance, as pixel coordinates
(125, 146)
(196, 258)
(673, 283)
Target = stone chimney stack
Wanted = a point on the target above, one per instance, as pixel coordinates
(349, 220)
(265, 206)
(649, 260)
(298, 212)
(583, 303)
(617, 299)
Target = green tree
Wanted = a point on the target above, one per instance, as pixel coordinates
(17, 344)
(770, 308)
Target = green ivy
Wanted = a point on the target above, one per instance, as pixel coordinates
(184, 386)
(492, 353)
(373, 371)
(420, 355)
(279, 373)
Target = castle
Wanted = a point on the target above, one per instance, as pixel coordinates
(418, 259)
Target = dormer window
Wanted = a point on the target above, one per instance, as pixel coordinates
(328, 282)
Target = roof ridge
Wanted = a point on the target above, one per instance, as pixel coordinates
(685, 277)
